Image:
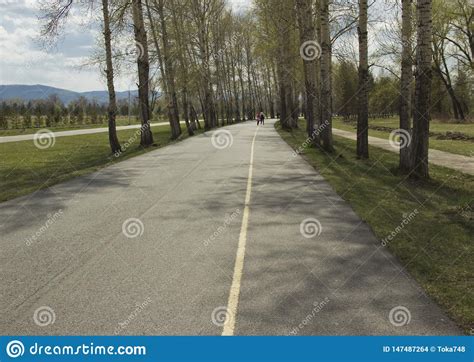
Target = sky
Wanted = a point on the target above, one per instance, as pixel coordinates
(25, 60)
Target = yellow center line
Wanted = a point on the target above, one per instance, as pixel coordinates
(233, 302)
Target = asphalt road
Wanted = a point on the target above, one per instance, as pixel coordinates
(218, 234)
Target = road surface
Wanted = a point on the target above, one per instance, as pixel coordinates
(459, 163)
(218, 248)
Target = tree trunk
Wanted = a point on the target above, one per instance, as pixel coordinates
(292, 100)
(226, 85)
(220, 93)
(170, 77)
(201, 12)
(109, 71)
(405, 82)
(326, 116)
(421, 119)
(236, 93)
(363, 96)
(190, 126)
(251, 99)
(177, 24)
(285, 65)
(306, 30)
(242, 90)
(318, 115)
(283, 98)
(270, 93)
(143, 72)
(457, 108)
(277, 86)
(194, 116)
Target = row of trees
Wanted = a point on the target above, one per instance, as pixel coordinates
(285, 57)
(288, 27)
(452, 47)
(384, 102)
(384, 94)
(453, 51)
(201, 55)
(51, 112)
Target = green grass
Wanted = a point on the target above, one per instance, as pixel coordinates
(437, 245)
(465, 148)
(25, 168)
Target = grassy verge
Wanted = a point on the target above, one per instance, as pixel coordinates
(459, 147)
(25, 168)
(436, 247)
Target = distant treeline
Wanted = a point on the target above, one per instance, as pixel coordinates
(52, 112)
(384, 94)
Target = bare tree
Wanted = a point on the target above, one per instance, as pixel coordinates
(55, 14)
(326, 116)
(180, 32)
(143, 72)
(405, 82)
(109, 71)
(363, 91)
(169, 75)
(441, 68)
(204, 13)
(307, 39)
(423, 75)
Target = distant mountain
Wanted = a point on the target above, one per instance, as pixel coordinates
(39, 91)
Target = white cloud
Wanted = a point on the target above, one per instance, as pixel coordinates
(240, 5)
(23, 60)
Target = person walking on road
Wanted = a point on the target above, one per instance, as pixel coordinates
(258, 118)
(262, 118)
